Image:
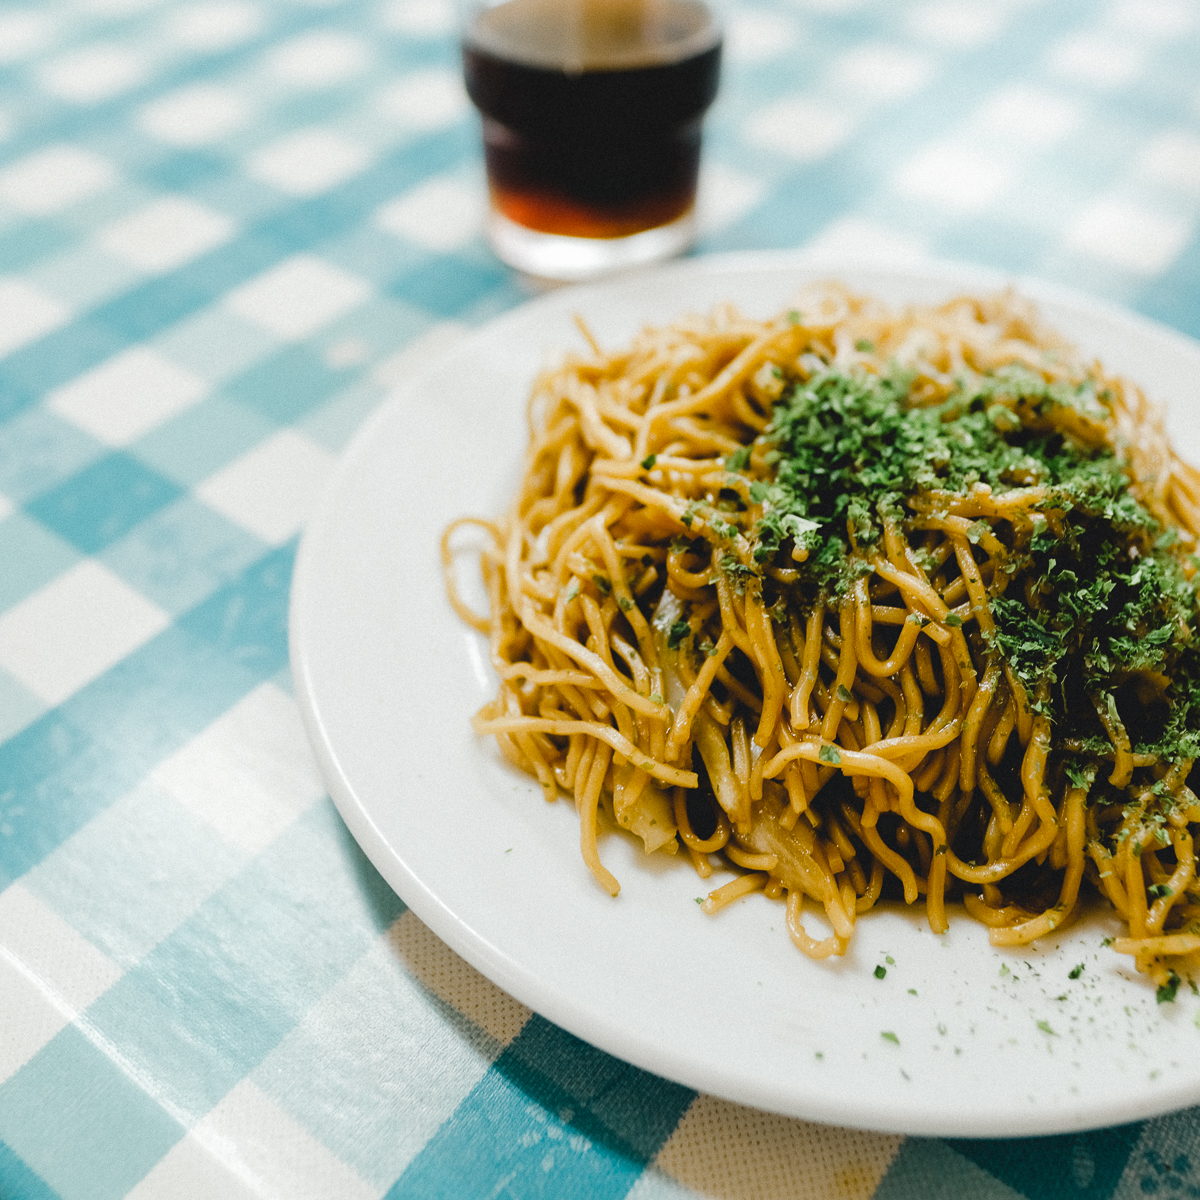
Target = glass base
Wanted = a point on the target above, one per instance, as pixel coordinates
(570, 259)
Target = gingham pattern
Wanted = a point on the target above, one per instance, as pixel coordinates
(226, 226)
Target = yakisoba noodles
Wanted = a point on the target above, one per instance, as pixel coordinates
(868, 603)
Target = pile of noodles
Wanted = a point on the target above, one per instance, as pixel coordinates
(870, 738)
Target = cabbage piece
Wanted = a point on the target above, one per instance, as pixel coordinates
(650, 814)
(793, 847)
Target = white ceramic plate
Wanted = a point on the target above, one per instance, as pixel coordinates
(986, 1042)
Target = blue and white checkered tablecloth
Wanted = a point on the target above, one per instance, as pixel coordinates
(226, 228)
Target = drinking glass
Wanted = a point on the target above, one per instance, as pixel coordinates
(592, 113)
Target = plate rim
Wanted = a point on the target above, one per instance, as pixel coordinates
(438, 913)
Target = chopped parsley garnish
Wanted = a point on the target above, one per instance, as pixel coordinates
(678, 631)
(738, 460)
(829, 754)
(1075, 972)
(889, 1036)
(1091, 596)
(649, 461)
(1166, 993)
(881, 972)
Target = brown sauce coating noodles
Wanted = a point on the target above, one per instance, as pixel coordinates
(869, 743)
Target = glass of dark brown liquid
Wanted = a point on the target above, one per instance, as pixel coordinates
(591, 127)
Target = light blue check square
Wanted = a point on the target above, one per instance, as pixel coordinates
(84, 276)
(30, 242)
(288, 385)
(110, 204)
(39, 450)
(451, 291)
(18, 708)
(237, 195)
(206, 437)
(134, 872)
(182, 554)
(336, 422)
(386, 324)
(104, 501)
(367, 251)
(215, 344)
(376, 1066)
(80, 1122)
(32, 556)
(213, 998)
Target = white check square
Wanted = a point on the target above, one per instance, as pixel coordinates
(725, 195)
(1145, 19)
(249, 1137)
(166, 233)
(320, 59)
(73, 629)
(959, 23)
(1127, 235)
(956, 178)
(801, 127)
(308, 161)
(93, 73)
(860, 237)
(1026, 116)
(442, 214)
(26, 313)
(23, 32)
(195, 116)
(1173, 158)
(31, 1018)
(880, 73)
(217, 26)
(419, 18)
(126, 396)
(53, 179)
(1100, 61)
(271, 489)
(49, 973)
(298, 296)
(429, 98)
(756, 35)
(48, 947)
(249, 774)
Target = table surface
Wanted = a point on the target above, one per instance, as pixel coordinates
(227, 228)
